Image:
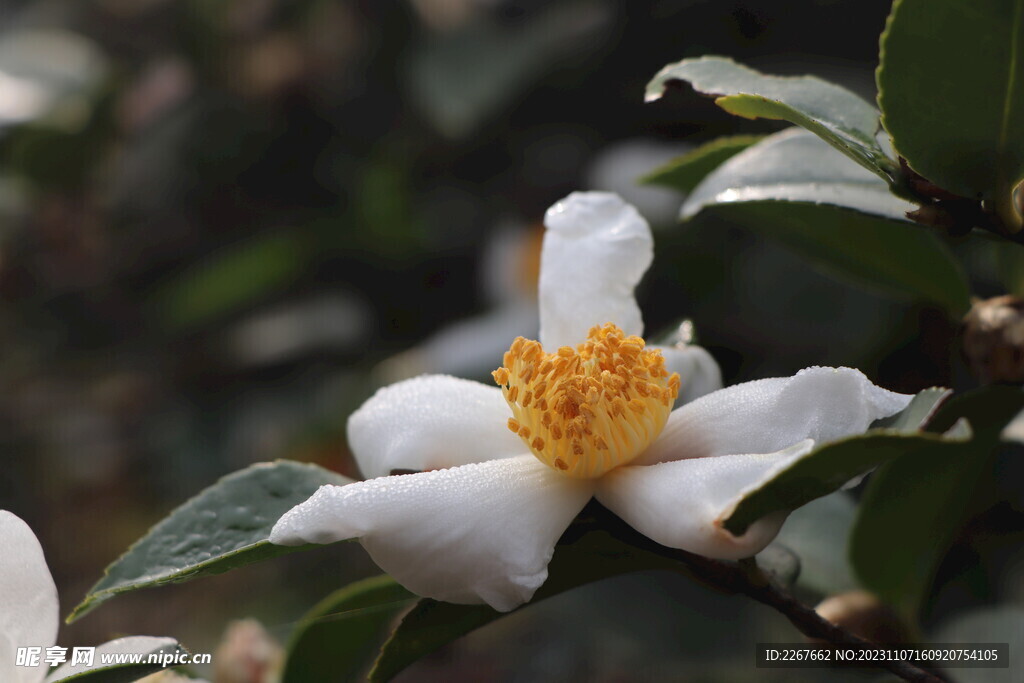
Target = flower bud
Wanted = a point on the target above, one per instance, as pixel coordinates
(993, 339)
(247, 654)
(864, 615)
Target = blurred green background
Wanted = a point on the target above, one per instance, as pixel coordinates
(224, 223)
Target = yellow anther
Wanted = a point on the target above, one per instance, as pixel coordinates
(590, 409)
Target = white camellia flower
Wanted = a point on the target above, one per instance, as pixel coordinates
(29, 610)
(587, 411)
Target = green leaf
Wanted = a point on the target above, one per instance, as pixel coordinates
(956, 114)
(686, 171)
(818, 533)
(892, 259)
(914, 506)
(795, 166)
(124, 672)
(917, 414)
(828, 466)
(797, 190)
(226, 526)
(835, 114)
(429, 626)
(338, 638)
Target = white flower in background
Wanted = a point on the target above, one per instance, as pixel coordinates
(587, 411)
(29, 610)
(247, 654)
(468, 347)
(617, 167)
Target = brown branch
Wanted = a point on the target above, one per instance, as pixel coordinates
(746, 578)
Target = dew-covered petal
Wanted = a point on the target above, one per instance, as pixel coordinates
(596, 249)
(480, 533)
(699, 373)
(682, 504)
(768, 415)
(29, 613)
(431, 422)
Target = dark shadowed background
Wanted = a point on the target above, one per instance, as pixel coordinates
(224, 223)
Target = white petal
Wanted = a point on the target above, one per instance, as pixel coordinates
(699, 373)
(768, 415)
(470, 534)
(431, 422)
(28, 597)
(143, 645)
(7, 664)
(681, 504)
(596, 249)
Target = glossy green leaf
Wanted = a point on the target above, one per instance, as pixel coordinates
(795, 166)
(956, 114)
(685, 172)
(339, 637)
(917, 414)
(914, 506)
(891, 259)
(123, 672)
(793, 188)
(828, 466)
(226, 526)
(835, 114)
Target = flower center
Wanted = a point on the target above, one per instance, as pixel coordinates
(587, 410)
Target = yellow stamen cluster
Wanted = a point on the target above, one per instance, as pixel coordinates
(587, 410)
